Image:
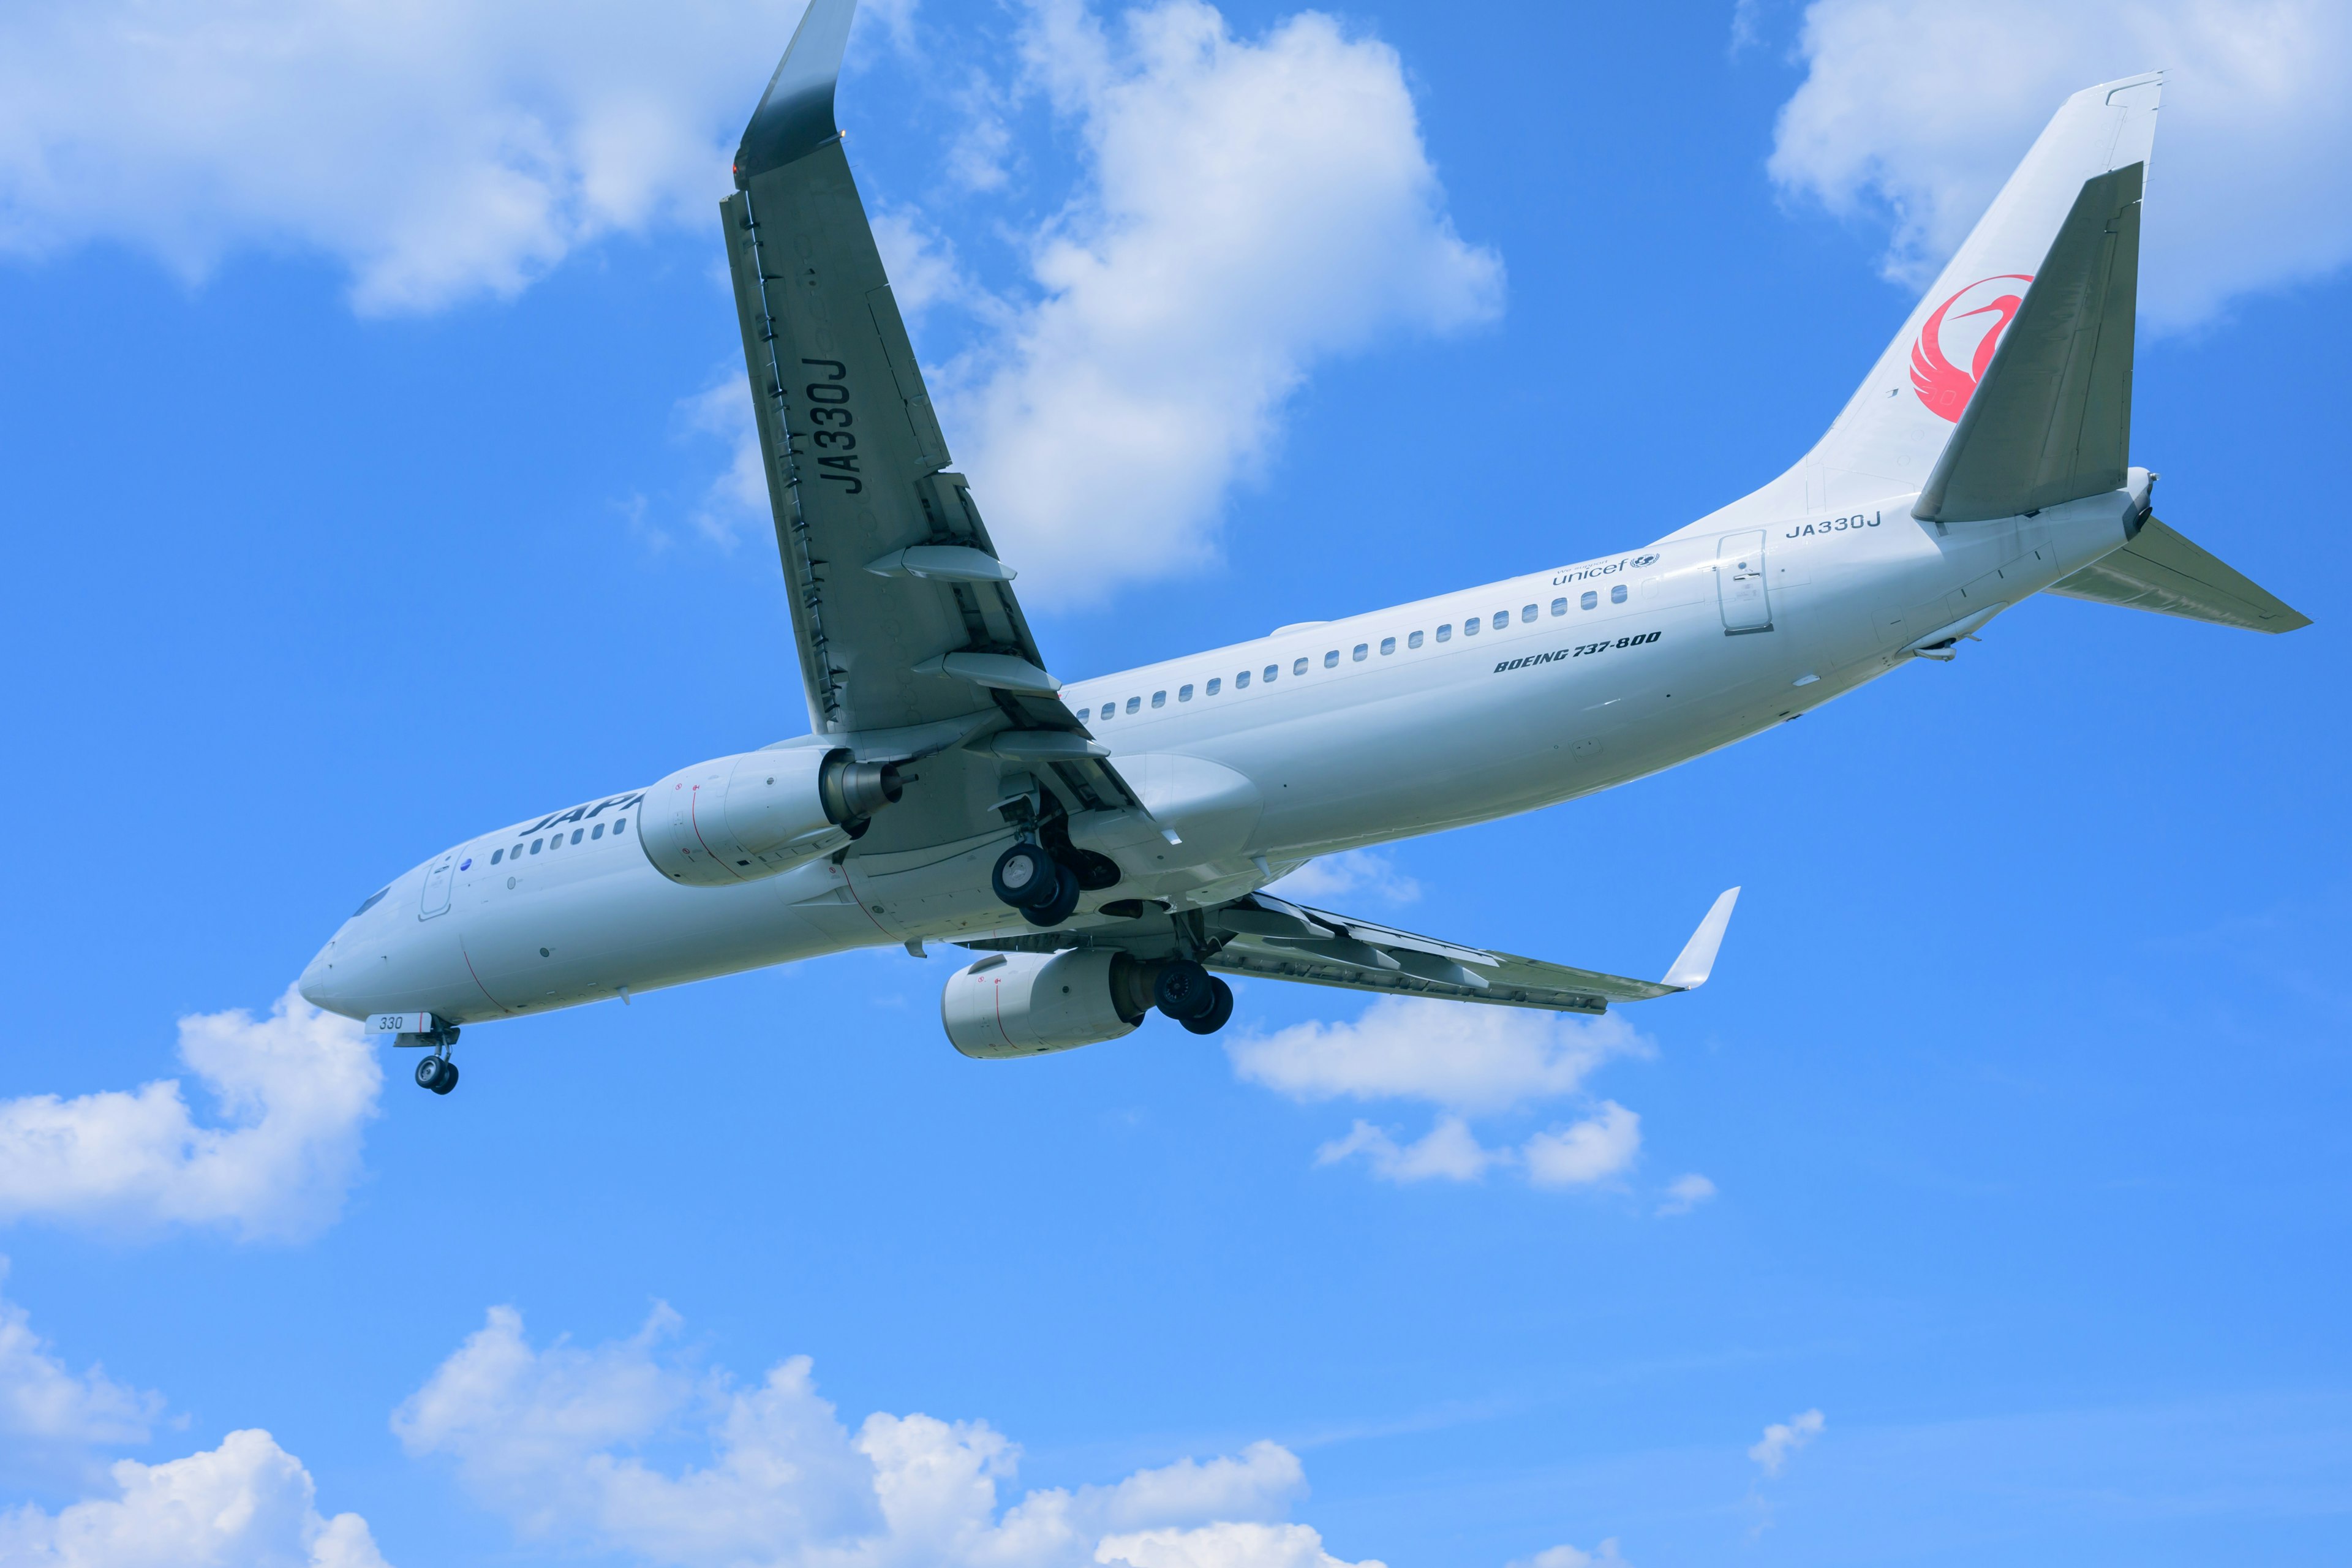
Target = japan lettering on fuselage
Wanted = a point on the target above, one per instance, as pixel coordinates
(585, 813)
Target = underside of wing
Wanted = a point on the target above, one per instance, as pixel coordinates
(1276, 939)
(909, 638)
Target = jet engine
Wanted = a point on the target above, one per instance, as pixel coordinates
(1023, 1004)
(741, 818)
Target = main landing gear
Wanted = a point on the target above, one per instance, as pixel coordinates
(1193, 997)
(1044, 891)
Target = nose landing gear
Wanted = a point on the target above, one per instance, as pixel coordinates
(438, 1073)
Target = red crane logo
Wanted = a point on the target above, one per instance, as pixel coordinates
(1942, 385)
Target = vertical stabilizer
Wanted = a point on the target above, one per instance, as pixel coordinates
(1887, 439)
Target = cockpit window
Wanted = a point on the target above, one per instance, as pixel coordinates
(370, 903)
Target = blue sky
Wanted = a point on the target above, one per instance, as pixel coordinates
(339, 535)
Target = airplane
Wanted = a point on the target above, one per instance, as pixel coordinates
(1107, 846)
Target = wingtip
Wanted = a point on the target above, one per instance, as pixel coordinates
(795, 114)
(1697, 960)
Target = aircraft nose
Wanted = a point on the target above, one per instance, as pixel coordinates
(320, 986)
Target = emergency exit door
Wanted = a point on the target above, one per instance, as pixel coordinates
(1740, 582)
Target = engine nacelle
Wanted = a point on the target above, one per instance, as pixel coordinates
(742, 817)
(1024, 1003)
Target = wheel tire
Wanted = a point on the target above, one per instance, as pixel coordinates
(1063, 902)
(449, 1078)
(1183, 990)
(1220, 1013)
(433, 1070)
(1024, 877)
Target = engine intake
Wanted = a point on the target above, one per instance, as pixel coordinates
(1025, 1003)
(738, 819)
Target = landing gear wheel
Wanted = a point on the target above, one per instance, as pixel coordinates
(438, 1074)
(1220, 1013)
(1024, 877)
(1058, 909)
(1183, 990)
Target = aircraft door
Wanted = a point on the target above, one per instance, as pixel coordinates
(436, 887)
(1740, 582)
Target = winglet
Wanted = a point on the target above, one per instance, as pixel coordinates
(796, 115)
(1697, 960)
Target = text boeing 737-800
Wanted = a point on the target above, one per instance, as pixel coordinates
(1106, 844)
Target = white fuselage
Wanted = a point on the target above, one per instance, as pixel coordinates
(1370, 729)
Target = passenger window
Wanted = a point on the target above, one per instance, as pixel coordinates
(1133, 703)
(1241, 681)
(1471, 628)
(1298, 667)
(535, 843)
(1413, 641)
(598, 834)
(497, 856)
(1110, 711)
(1617, 594)
(1217, 681)
(575, 835)
(1388, 645)
(1445, 632)
(1159, 700)
(1270, 671)
(1502, 619)
(1331, 659)
(1082, 714)
(1184, 694)
(1527, 613)
(1559, 607)
(1361, 649)
(618, 824)
(1589, 599)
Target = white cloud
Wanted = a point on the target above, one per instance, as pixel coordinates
(1224, 1546)
(1464, 1057)
(1783, 1438)
(50, 1416)
(438, 149)
(1467, 1059)
(550, 1439)
(246, 1502)
(1685, 1193)
(1919, 110)
(1449, 1151)
(293, 1090)
(1591, 1151)
(1252, 206)
(1601, 1556)
(1366, 873)
(737, 500)
(1581, 1155)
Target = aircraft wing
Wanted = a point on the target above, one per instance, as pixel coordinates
(909, 634)
(1276, 939)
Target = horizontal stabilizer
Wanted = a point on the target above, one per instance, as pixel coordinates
(2161, 571)
(2050, 421)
